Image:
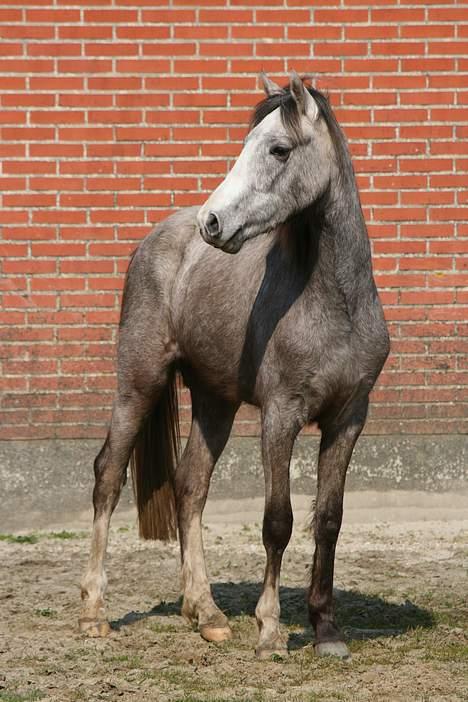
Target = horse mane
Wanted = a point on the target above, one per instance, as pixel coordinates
(292, 122)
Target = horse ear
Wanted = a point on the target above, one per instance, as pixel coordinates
(304, 100)
(269, 86)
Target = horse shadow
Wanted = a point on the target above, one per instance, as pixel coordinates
(360, 615)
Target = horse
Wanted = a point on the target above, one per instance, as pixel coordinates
(290, 322)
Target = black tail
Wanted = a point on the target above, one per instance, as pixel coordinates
(153, 463)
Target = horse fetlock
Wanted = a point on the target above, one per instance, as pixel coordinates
(211, 621)
(94, 628)
(271, 645)
(216, 630)
(189, 612)
(333, 648)
(270, 641)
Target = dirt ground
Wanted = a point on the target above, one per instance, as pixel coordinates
(401, 589)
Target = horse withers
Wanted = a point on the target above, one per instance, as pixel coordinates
(291, 323)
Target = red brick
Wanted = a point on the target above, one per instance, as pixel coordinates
(53, 49)
(29, 167)
(168, 16)
(427, 64)
(27, 134)
(403, 15)
(84, 32)
(347, 16)
(26, 66)
(370, 31)
(424, 264)
(424, 31)
(111, 49)
(143, 32)
(427, 197)
(143, 65)
(53, 16)
(110, 16)
(426, 230)
(29, 200)
(426, 165)
(11, 15)
(53, 83)
(366, 65)
(56, 117)
(84, 65)
(57, 183)
(175, 49)
(398, 48)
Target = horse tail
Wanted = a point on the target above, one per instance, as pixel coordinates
(153, 462)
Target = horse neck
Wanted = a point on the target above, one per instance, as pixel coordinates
(346, 232)
(329, 242)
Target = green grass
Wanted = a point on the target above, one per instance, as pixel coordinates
(46, 612)
(64, 535)
(19, 539)
(255, 697)
(33, 538)
(127, 661)
(10, 696)
(452, 651)
(165, 628)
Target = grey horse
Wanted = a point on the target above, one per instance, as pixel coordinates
(291, 323)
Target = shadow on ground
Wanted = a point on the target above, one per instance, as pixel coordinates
(361, 616)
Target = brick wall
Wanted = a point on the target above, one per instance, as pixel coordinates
(115, 112)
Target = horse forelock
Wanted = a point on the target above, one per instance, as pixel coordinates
(288, 111)
(291, 120)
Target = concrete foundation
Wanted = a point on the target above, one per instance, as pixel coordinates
(43, 482)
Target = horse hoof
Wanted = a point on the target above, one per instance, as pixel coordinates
(216, 634)
(94, 628)
(333, 648)
(265, 651)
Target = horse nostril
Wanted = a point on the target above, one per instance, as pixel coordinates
(212, 224)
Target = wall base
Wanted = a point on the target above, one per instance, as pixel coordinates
(42, 479)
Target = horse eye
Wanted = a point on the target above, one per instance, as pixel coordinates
(280, 152)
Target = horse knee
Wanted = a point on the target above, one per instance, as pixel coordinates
(109, 480)
(101, 461)
(277, 527)
(327, 525)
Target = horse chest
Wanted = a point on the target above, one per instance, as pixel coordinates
(311, 360)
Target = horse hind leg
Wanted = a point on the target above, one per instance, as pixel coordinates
(129, 412)
(110, 469)
(211, 425)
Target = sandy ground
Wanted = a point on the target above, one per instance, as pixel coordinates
(401, 589)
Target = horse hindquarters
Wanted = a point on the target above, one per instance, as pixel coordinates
(144, 370)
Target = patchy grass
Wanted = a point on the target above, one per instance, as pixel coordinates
(128, 661)
(19, 539)
(65, 535)
(160, 628)
(402, 607)
(34, 537)
(46, 612)
(30, 696)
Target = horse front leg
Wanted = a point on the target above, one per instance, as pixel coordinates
(277, 444)
(336, 448)
(211, 425)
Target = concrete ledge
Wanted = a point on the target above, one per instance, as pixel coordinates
(45, 479)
